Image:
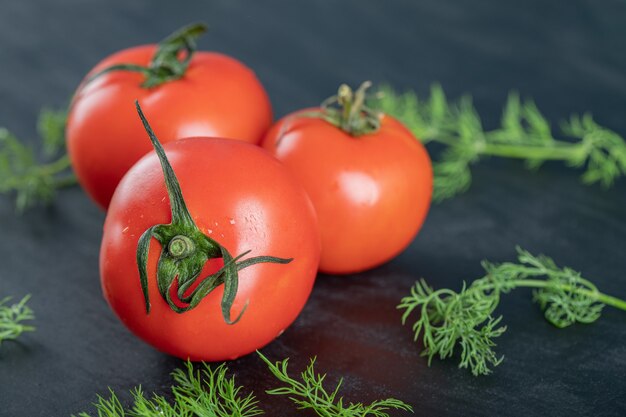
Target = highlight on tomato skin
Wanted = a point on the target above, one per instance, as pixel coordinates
(214, 95)
(241, 197)
(371, 187)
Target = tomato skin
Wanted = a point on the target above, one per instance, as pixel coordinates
(371, 192)
(246, 200)
(217, 96)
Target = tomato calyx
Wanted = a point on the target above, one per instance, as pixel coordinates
(347, 111)
(170, 61)
(185, 251)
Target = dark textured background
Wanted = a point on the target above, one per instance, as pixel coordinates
(569, 56)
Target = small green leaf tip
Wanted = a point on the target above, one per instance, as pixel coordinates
(12, 318)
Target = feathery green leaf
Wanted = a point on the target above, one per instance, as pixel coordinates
(524, 133)
(449, 320)
(205, 392)
(21, 172)
(309, 393)
(12, 318)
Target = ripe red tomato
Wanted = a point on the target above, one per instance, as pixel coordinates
(371, 192)
(242, 198)
(216, 96)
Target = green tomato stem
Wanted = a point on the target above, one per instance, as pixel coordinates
(347, 111)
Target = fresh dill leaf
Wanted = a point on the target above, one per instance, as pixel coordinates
(111, 407)
(208, 392)
(51, 128)
(210, 389)
(603, 150)
(12, 318)
(157, 406)
(21, 172)
(449, 320)
(310, 394)
(524, 133)
(197, 393)
(567, 298)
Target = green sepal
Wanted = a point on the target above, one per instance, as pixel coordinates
(180, 213)
(143, 247)
(231, 284)
(169, 63)
(215, 279)
(167, 272)
(231, 280)
(347, 110)
(119, 67)
(207, 285)
(262, 259)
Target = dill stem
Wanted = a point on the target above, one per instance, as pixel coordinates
(67, 181)
(603, 298)
(56, 166)
(537, 283)
(436, 136)
(558, 151)
(48, 170)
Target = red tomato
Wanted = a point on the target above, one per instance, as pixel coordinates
(217, 96)
(371, 192)
(242, 198)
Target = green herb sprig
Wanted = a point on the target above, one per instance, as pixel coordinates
(310, 394)
(450, 320)
(211, 393)
(21, 172)
(12, 318)
(524, 133)
(206, 392)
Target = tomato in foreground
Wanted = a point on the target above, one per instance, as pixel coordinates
(235, 266)
(368, 177)
(188, 93)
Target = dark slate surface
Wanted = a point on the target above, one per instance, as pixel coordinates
(569, 56)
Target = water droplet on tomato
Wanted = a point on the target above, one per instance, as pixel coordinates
(124, 230)
(231, 221)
